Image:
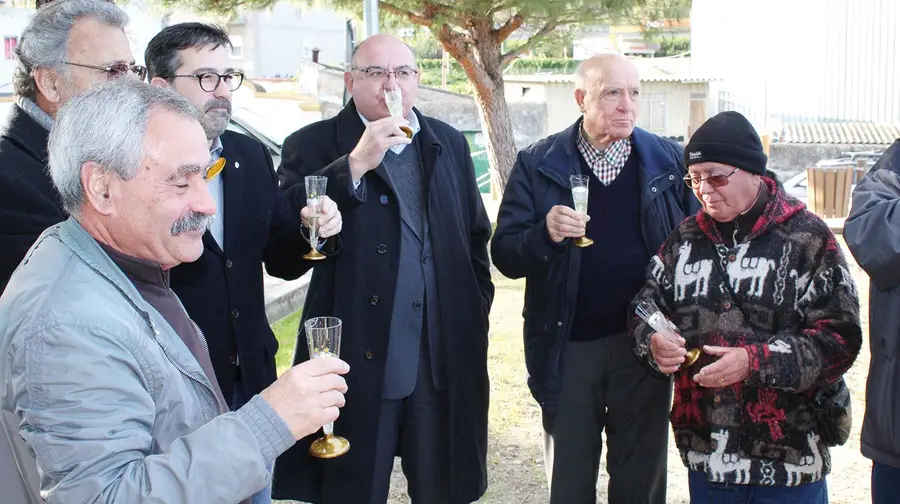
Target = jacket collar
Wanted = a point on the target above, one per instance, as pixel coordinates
(22, 130)
(780, 207)
(562, 156)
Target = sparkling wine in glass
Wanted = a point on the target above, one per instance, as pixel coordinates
(579, 184)
(315, 190)
(323, 339)
(652, 315)
(393, 98)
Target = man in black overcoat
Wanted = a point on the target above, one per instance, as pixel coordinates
(413, 288)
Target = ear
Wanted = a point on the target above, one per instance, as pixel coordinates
(579, 99)
(97, 184)
(159, 81)
(348, 81)
(48, 84)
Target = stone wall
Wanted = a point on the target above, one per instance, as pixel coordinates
(790, 159)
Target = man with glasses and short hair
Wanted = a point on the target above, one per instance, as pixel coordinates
(67, 48)
(577, 349)
(412, 286)
(255, 224)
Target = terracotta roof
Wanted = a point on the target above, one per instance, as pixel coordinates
(840, 133)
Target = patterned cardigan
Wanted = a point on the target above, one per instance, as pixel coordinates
(790, 278)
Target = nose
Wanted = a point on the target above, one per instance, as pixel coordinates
(705, 187)
(222, 90)
(202, 201)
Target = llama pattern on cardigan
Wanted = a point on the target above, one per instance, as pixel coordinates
(785, 295)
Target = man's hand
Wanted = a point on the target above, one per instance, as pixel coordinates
(733, 367)
(668, 354)
(330, 221)
(379, 136)
(564, 222)
(308, 395)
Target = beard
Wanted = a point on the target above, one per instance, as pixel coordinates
(216, 114)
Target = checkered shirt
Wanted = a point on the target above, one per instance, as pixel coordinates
(606, 164)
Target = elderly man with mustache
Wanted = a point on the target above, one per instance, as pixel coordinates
(108, 376)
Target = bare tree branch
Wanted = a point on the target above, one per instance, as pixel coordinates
(529, 44)
(512, 24)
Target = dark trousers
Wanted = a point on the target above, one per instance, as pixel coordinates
(604, 386)
(704, 492)
(415, 428)
(885, 484)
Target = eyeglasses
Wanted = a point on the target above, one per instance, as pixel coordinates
(209, 81)
(375, 74)
(115, 70)
(713, 179)
(614, 95)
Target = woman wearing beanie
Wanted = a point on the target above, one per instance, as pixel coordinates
(760, 285)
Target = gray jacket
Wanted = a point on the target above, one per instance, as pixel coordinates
(872, 232)
(106, 395)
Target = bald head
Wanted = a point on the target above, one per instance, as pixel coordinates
(592, 70)
(607, 91)
(380, 44)
(379, 63)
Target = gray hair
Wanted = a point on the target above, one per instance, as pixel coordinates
(45, 39)
(106, 125)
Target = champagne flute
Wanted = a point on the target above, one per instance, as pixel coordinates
(315, 190)
(323, 338)
(393, 98)
(651, 314)
(579, 185)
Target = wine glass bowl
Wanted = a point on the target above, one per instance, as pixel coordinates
(315, 190)
(579, 184)
(653, 316)
(393, 98)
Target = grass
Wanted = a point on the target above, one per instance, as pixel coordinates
(286, 333)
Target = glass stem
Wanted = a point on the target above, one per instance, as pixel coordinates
(328, 429)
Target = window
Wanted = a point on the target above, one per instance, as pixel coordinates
(237, 46)
(9, 46)
(653, 112)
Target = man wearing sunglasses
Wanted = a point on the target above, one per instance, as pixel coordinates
(578, 351)
(255, 223)
(67, 48)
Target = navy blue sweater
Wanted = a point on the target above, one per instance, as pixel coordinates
(613, 268)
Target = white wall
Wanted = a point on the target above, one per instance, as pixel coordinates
(829, 59)
(285, 37)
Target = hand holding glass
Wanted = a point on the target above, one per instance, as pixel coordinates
(323, 338)
(579, 185)
(315, 190)
(393, 98)
(651, 314)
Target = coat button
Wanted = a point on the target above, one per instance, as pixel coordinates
(369, 355)
(732, 257)
(373, 300)
(726, 305)
(228, 263)
(671, 177)
(417, 305)
(559, 323)
(382, 248)
(235, 313)
(424, 260)
(653, 189)
(383, 199)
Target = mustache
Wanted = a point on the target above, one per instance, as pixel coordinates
(194, 221)
(217, 103)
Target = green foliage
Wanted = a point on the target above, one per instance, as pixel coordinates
(670, 46)
(523, 66)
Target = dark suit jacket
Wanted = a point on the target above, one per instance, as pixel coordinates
(223, 291)
(29, 203)
(358, 286)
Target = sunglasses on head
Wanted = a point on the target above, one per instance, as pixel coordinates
(713, 179)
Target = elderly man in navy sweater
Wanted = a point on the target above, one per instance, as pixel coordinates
(579, 356)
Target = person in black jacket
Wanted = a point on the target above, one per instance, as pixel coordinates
(577, 349)
(413, 288)
(255, 222)
(67, 48)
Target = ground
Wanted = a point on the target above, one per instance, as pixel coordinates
(515, 463)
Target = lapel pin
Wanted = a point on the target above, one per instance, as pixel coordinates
(237, 165)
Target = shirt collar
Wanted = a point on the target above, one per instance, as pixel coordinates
(615, 154)
(215, 152)
(137, 270)
(35, 112)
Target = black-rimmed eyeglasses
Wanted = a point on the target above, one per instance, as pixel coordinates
(115, 70)
(209, 81)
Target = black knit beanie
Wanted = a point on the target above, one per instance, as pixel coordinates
(730, 139)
